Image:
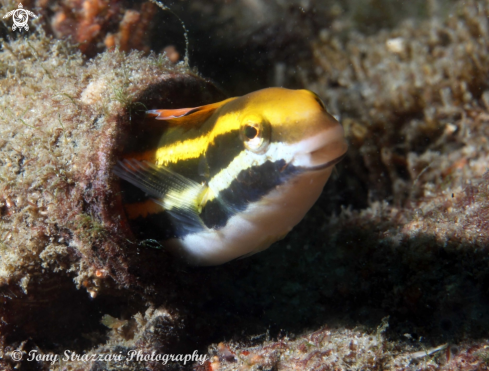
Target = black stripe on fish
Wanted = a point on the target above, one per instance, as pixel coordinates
(249, 186)
(223, 151)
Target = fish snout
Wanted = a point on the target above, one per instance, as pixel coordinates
(322, 150)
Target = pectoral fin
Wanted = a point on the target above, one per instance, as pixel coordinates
(179, 196)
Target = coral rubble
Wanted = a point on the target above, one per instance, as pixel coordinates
(413, 101)
(332, 349)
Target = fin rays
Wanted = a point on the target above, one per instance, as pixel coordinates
(178, 195)
(195, 115)
(140, 175)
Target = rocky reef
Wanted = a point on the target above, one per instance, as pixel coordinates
(64, 122)
(389, 270)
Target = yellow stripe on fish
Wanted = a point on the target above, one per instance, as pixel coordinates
(234, 176)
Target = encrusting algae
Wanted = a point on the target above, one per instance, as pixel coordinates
(60, 120)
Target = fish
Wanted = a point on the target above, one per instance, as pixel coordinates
(234, 176)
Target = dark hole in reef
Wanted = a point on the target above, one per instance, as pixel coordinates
(55, 313)
(446, 325)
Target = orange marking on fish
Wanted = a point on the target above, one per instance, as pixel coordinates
(142, 209)
(149, 156)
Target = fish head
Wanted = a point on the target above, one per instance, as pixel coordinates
(292, 125)
(287, 130)
(271, 153)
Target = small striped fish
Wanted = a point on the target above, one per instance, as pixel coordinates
(237, 175)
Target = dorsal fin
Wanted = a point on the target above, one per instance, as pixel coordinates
(186, 115)
(170, 114)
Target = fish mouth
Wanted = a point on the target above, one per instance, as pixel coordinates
(329, 153)
(327, 164)
(321, 151)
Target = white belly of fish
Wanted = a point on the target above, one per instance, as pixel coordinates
(261, 224)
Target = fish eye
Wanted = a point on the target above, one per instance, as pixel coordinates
(250, 131)
(255, 135)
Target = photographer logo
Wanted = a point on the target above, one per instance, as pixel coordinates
(20, 17)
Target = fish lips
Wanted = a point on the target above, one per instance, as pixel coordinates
(329, 155)
(323, 151)
(318, 166)
(327, 164)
